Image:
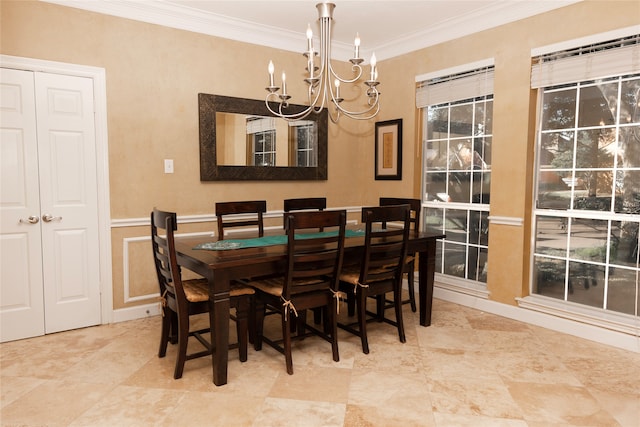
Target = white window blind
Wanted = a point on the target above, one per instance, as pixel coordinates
(261, 124)
(455, 87)
(609, 59)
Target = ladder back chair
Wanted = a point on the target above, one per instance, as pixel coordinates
(380, 269)
(410, 264)
(184, 298)
(304, 204)
(310, 281)
(240, 214)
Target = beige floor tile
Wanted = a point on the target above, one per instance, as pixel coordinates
(197, 409)
(389, 392)
(493, 341)
(277, 412)
(458, 420)
(12, 388)
(449, 337)
(314, 384)
(625, 408)
(131, 406)
(559, 404)
(459, 365)
(481, 320)
(106, 367)
(474, 397)
(616, 372)
(535, 366)
(375, 416)
(46, 362)
(53, 403)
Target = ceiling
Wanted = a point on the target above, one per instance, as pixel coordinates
(389, 28)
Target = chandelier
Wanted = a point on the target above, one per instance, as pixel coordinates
(319, 76)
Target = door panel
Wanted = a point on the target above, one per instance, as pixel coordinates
(21, 285)
(69, 205)
(50, 272)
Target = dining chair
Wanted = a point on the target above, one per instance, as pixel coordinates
(184, 298)
(380, 269)
(410, 263)
(240, 214)
(310, 280)
(303, 204)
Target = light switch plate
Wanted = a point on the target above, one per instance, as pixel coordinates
(168, 165)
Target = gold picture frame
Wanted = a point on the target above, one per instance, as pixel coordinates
(388, 161)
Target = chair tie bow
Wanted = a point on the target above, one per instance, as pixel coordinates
(286, 306)
(337, 295)
(163, 300)
(355, 286)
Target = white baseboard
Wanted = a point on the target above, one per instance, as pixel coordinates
(137, 312)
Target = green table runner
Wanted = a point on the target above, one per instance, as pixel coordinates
(281, 239)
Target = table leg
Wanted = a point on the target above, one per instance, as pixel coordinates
(426, 269)
(219, 320)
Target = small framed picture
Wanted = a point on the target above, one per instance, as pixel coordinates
(389, 150)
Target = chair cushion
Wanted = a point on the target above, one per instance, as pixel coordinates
(352, 274)
(237, 289)
(274, 285)
(197, 290)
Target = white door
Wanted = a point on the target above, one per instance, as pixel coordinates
(67, 227)
(21, 297)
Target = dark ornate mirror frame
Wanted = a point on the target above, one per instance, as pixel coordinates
(208, 105)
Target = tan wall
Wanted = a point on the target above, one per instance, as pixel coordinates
(154, 75)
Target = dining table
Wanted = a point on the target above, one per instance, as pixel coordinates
(220, 267)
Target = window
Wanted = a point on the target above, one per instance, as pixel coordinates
(587, 210)
(261, 141)
(457, 118)
(303, 143)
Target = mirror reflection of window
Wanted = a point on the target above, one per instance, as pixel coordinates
(261, 141)
(303, 143)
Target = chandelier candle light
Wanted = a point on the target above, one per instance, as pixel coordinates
(319, 78)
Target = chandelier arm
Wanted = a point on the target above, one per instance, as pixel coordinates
(294, 116)
(352, 114)
(355, 67)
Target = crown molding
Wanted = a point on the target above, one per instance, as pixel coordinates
(172, 16)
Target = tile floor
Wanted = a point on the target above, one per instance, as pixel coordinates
(468, 369)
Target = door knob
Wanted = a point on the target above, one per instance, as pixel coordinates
(49, 218)
(31, 220)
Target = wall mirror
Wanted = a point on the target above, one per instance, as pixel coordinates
(241, 140)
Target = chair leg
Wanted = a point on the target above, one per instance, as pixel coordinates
(317, 316)
(361, 304)
(173, 330)
(397, 302)
(286, 339)
(351, 304)
(332, 317)
(252, 319)
(410, 285)
(164, 334)
(259, 324)
(183, 339)
(242, 313)
(380, 303)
